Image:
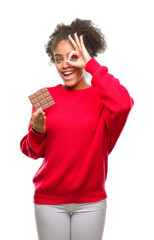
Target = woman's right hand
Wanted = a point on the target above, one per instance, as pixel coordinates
(38, 120)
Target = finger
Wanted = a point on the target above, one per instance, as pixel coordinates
(38, 116)
(71, 63)
(82, 42)
(77, 40)
(42, 121)
(73, 42)
(71, 54)
(39, 122)
(41, 117)
(38, 111)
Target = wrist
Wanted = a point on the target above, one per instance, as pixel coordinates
(39, 131)
(87, 60)
(92, 66)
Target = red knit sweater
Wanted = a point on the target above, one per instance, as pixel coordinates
(82, 129)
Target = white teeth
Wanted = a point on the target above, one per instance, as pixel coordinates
(67, 73)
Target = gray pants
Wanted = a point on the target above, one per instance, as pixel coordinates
(77, 221)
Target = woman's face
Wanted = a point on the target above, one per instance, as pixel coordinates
(70, 75)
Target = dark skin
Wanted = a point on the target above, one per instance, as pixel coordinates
(38, 118)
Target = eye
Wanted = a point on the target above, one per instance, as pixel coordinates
(74, 57)
(58, 59)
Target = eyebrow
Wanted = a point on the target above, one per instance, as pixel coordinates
(57, 54)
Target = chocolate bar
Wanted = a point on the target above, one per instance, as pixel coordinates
(41, 98)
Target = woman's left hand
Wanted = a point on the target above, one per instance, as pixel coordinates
(80, 52)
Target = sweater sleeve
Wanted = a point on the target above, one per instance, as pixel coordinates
(33, 143)
(115, 98)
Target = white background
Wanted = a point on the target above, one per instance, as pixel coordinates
(24, 30)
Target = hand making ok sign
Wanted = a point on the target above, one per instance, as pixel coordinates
(80, 52)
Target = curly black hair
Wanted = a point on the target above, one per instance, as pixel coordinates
(94, 39)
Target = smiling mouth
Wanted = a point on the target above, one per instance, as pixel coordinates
(68, 75)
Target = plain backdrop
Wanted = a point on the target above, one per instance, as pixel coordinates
(24, 68)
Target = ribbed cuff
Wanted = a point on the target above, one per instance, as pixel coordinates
(92, 66)
(34, 136)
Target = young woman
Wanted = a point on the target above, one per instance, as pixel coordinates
(75, 136)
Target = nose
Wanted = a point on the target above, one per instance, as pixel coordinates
(65, 64)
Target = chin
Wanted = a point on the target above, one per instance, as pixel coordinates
(70, 83)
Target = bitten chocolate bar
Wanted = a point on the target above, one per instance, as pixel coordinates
(41, 98)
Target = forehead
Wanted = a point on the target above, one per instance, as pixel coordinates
(64, 47)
